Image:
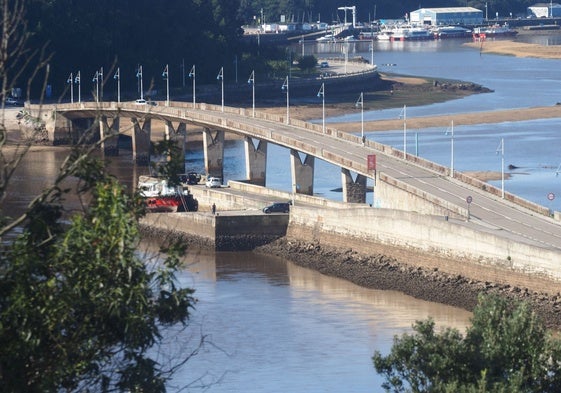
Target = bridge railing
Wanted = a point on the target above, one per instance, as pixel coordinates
(211, 114)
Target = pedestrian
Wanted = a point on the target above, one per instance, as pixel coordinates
(213, 208)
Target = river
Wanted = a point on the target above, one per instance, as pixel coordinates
(274, 327)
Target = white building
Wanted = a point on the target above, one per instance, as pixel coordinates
(544, 10)
(447, 16)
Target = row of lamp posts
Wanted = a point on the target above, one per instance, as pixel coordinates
(98, 79)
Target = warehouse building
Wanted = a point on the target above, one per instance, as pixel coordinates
(447, 16)
(544, 10)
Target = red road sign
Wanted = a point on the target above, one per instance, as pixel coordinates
(551, 196)
(371, 162)
(469, 199)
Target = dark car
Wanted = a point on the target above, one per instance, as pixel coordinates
(277, 207)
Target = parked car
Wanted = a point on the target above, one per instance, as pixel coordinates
(324, 64)
(277, 207)
(213, 182)
(190, 178)
(11, 101)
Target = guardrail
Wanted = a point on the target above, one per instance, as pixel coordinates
(212, 115)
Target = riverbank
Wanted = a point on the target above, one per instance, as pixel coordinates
(421, 276)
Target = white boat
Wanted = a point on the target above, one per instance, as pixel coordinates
(326, 38)
(451, 32)
(493, 31)
(411, 33)
(159, 196)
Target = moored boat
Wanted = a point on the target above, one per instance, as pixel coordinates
(442, 32)
(411, 33)
(160, 197)
(493, 31)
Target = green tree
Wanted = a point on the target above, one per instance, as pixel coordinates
(81, 309)
(506, 349)
(307, 63)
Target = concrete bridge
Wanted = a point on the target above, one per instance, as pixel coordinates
(505, 230)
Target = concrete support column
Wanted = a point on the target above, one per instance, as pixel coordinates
(213, 144)
(354, 191)
(302, 173)
(109, 136)
(178, 135)
(141, 141)
(256, 161)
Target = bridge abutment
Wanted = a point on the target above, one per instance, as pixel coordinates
(109, 135)
(213, 145)
(141, 141)
(256, 161)
(178, 135)
(302, 173)
(354, 191)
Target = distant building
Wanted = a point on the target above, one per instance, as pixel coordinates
(544, 10)
(447, 16)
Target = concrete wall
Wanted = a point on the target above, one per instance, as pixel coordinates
(457, 240)
(224, 232)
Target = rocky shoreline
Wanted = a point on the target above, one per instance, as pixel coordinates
(387, 273)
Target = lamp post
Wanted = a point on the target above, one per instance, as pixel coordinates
(77, 81)
(71, 81)
(404, 115)
(221, 77)
(285, 87)
(360, 102)
(192, 75)
(100, 77)
(165, 75)
(117, 77)
(451, 130)
(251, 81)
(501, 149)
(96, 80)
(139, 76)
(321, 93)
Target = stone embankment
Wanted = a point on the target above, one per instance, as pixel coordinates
(384, 272)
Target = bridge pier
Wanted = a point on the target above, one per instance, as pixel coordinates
(256, 161)
(178, 135)
(302, 173)
(354, 191)
(214, 152)
(109, 135)
(141, 141)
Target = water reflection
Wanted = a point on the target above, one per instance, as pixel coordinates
(278, 327)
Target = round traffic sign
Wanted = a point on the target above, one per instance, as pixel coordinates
(551, 196)
(469, 199)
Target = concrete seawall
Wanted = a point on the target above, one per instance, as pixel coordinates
(462, 243)
(226, 231)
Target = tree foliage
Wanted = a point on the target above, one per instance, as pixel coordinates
(79, 306)
(81, 309)
(506, 349)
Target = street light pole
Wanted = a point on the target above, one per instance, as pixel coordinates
(321, 93)
(221, 77)
(117, 76)
(165, 75)
(139, 76)
(360, 102)
(96, 80)
(285, 87)
(77, 80)
(100, 76)
(251, 80)
(404, 114)
(71, 81)
(451, 129)
(192, 75)
(501, 149)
